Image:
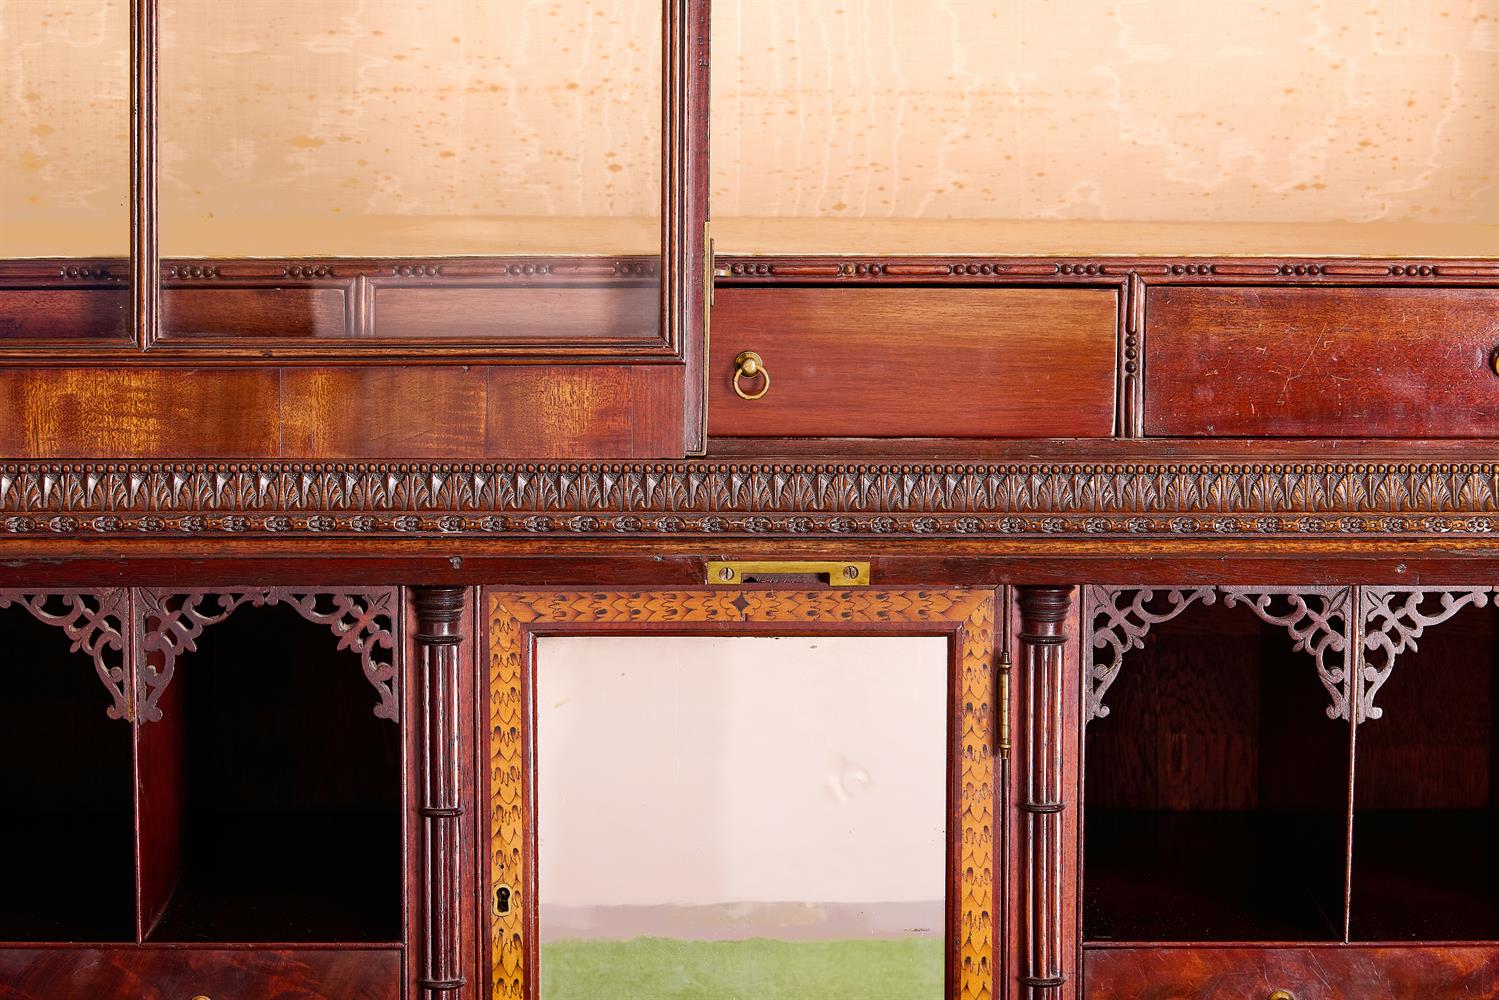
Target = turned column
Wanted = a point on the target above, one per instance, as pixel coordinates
(439, 615)
(1043, 791)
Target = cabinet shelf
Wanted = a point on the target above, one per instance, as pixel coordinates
(1216, 791)
(1425, 875)
(1212, 876)
(284, 816)
(287, 878)
(65, 794)
(1424, 822)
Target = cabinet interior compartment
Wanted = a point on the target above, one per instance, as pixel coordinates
(275, 808)
(65, 793)
(1424, 807)
(1215, 790)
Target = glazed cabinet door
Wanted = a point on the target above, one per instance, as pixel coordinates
(487, 216)
(743, 792)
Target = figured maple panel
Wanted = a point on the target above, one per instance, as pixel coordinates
(1094, 110)
(467, 126)
(65, 133)
(916, 362)
(138, 412)
(1321, 362)
(447, 412)
(967, 616)
(540, 411)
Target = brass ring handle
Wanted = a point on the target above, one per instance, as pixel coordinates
(1281, 995)
(749, 365)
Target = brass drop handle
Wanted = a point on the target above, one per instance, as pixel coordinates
(749, 365)
(1281, 995)
(200, 996)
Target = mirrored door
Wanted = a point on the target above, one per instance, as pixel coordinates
(768, 794)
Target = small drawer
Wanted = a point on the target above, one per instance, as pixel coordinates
(915, 362)
(1332, 972)
(1321, 362)
(167, 973)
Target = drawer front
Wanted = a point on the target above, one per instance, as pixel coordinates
(1321, 362)
(182, 974)
(916, 362)
(1321, 973)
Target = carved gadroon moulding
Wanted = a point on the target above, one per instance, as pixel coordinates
(1318, 620)
(752, 499)
(171, 622)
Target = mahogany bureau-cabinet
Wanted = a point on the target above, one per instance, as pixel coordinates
(618, 500)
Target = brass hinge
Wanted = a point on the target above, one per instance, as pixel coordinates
(710, 269)
(708, 272)
(1002, 695)
(833, 573)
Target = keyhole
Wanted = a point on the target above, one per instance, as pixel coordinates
(502, 900)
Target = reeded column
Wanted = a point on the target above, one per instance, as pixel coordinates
(1043, 617)
(439, 615)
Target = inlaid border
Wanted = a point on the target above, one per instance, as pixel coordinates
(967, 616)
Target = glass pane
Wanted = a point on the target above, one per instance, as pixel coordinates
(1072, 126)
(65, 170)
(742, 817)
(402, 135)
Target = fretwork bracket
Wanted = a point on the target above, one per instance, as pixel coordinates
(1117, 620)
(1318, 619)
(1393, 619)
(171, 623)
(96, 629)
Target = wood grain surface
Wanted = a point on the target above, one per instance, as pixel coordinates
(180, 973)
(1329, 362)
(1326, 973)
(907, 362)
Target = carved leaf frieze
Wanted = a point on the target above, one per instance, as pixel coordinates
(715, 498)
(171, 623)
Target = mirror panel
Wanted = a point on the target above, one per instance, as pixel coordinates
(742, 816)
